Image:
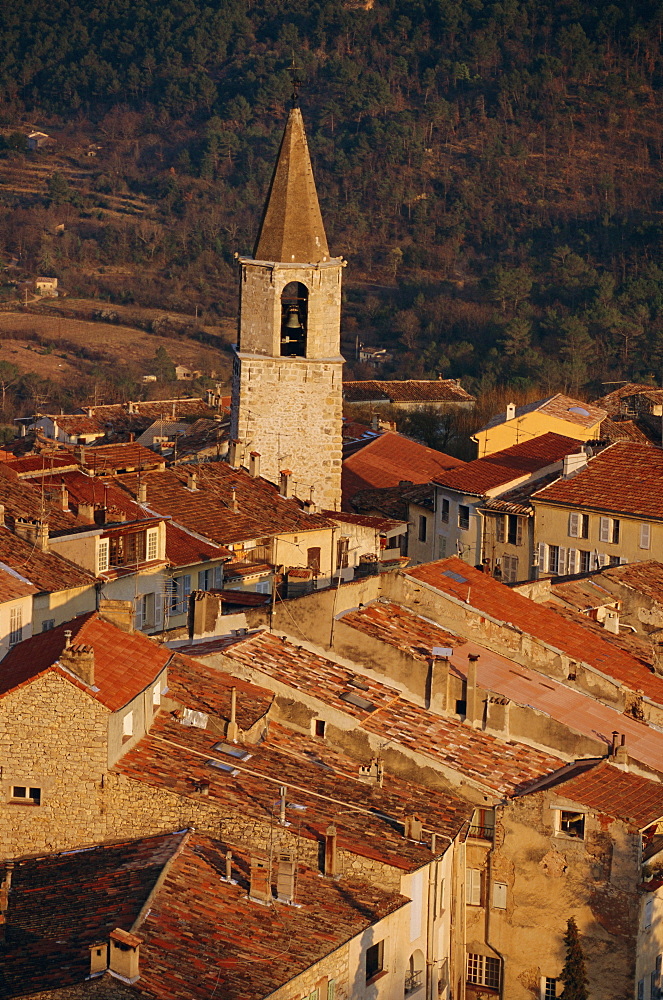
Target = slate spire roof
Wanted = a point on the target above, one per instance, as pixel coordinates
(291, 230)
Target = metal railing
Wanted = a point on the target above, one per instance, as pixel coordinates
(482, 832)
(413, 981)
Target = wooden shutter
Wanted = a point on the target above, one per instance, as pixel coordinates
(574, 522)
(604, 530)
(473, 886)
(218, 577)
(519, 531)
(499, 527)
(543, 557)
(572, 557)
(645, 535)
(561, 562)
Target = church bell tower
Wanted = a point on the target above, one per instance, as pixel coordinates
(287, 370)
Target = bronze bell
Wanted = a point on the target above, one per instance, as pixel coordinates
(292, 322)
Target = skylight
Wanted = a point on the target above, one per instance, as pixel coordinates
(220, 766)
(354, 699)
(580, 410)
(239, 753)
(454, 576)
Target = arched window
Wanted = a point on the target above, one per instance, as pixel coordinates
(414, 977)
(294, 320)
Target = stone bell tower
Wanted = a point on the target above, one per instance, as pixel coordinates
(287, 371)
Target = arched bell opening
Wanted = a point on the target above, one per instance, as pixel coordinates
(294, 320)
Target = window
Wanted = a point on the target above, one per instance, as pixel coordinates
(499, 528)
(553, 559)
(263, 587)
(653, 984)
(444, 513)
(615, 532)
(156, 694)
(609, 530)
(152, 544)
(645, 536)
(423, 526)
(23, 793)
(313, 560)
(584, 525)
(205, 579)
(483, 971)
(442, 545)
(128, 726)
(320, 728)
(463, 517)
(314, 994)
(103, 555)
(473, 886)
(331, 989)
(572, 824)
(649, 909)
(15, 626)
(342, 550)
(510, 569)
(47, 624)
(147, 610)
(515, 530)
(572, 561)
(180, 589)
(548, 988)
(374, 960)
(499, 895)
(615, 561)
(483, 824)
(574, 524)
(585, 561)
(414, 975)
(641, 989)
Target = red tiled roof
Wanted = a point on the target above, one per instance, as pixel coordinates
(480, 591)
(394, 500)
(447, 390)
(612, 402)
(46, 570)
(204, 937)
(400, 627)
(623, 430)
(124, 456)
(613, 792)
(124, 663)
(34, 464)
(208, 510)
(503, 467)
(644, 577)
(560, 406)
(363, 520)
(60, 904)
(204, 689)
(13, 586)
(323, 780)
(78, 423)
(501, 766)
(519, 500)
(391, 459)
(185, 549)
(625, 478)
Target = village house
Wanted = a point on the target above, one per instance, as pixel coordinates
(460, 495)
(558, 414)
(605, 513)
(409, 394)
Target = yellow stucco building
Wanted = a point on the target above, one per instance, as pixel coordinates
(559, 414)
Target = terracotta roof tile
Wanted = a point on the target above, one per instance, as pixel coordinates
(394, 500)
(324, 781)
(518, 501)
(623, 430)
(644, 577)
(381, 524)
(480, 591)
(205, 689)
(613, 792)
(35, 464)
(442, 390)
(208, 510)
(390, 459)
(503, 467)
(625, 478)
(560, 406)
(46, 570)
(185, 549)
(400, 627)
(60, 904)
(13, 586)
(126, 456)
(124, 663)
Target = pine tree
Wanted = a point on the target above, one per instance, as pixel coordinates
(573, 974)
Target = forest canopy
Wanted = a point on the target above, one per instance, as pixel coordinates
(492, 170)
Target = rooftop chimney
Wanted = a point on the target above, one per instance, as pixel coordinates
(233, 502)
(510, 411)
(2, 515)
(79, 659)
(413, 828)
(98, 958)
(86, 512)
(573, 464)
(124, 955)
(373, 772)
(285, 878)
(64, 497)
(438, 694)
(141, 494)
(42, 536)
(331, 857)
(120, 613)
(254, 464)
(260, 889)
(233, 454)
(471, 694)
(285, 482)
(5, 887)
(232, 729)
(611, 622)
(192, 480)
(621, 753)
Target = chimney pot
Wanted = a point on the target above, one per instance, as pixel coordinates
(260, 888)
(142, 492)
(2, 515)
(285, 483)
(124, 955)
(233, 454)
(286, 877)
(98, 958)
(510, 411)
(192, 480)
(67, 638)
(229, 866)
(233, 502)
(413, 828)
(331, 858)
(79, 659)
(254, 464)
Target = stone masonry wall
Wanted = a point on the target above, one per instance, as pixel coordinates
(290, 410)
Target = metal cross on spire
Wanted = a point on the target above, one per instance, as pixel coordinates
(296, 82)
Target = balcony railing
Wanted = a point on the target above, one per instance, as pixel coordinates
(482, 832)
(413, 981)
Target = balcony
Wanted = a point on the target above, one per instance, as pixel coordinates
(482, 832)
(413, 981)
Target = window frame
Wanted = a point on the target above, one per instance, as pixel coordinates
(374, 969)
(151, 544)
(28, 799)
(643, 534)
(15, 625)
(127, 726)
(480, 973)
(463, 519)
(444, 510)
(561, 822)
(103, 555)
(423, 528)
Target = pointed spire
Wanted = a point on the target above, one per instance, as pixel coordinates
(291, 230)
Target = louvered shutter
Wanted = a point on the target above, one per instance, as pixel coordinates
(218, 577)
(499, 527)
(645, 534)
(473, 886)
(603, 559)
(158, 610)
(574, 523)
(561, 562)
(519, 531)
(572, 561)
(604, 530)
(543, 556)
(499, 895)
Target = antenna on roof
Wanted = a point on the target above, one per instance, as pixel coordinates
(296, 82)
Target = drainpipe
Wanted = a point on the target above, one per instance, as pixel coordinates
(488, 911)
(430, 936)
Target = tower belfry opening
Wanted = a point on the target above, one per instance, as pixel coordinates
(294, 319)
(287, 375)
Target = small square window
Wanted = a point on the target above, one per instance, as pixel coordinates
(463, 517)
(549, 988)
(444, 511)
(128, 725)
(27, 794)
(320, 727)
(572, 824)
(47, 624)
(374, 960)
